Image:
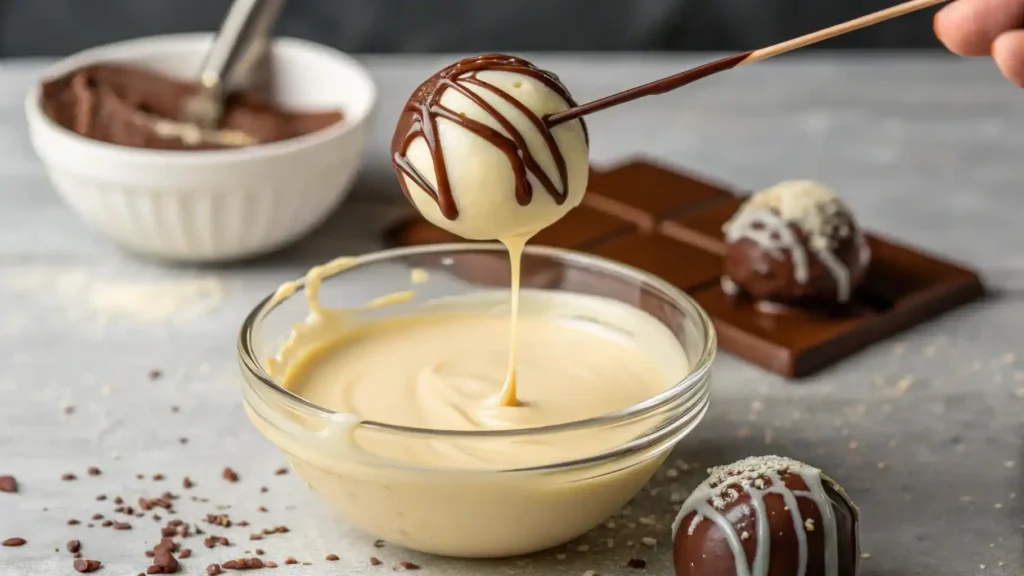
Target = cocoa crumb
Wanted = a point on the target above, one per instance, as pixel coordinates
(97, 516)
(187, 483)
(378, 543)
(260, 552)
(122, 526)
(243, 564)
(374, 561)
(264, 489)
(155, 374)
(86, 566)
(214, 570)
(332, 558)
(68, 477)
(94, 471)
(230, 475)
(281, 471)
(290, 560)
(262, 508)
(73, 522)
(118, 500)
(636, 563)
(185, 553)
(270, 564)
(101, 497)
(405, 565)
(158, 477)
(8, 484)
(14, 542)
(74, 546)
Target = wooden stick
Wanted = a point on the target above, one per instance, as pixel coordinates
(683, 78)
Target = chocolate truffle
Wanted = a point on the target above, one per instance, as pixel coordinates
(767, 516)
(795, 243)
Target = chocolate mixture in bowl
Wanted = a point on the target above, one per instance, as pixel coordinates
(131, 106)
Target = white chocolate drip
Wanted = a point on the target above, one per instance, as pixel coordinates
(768, 217)
(760, 476)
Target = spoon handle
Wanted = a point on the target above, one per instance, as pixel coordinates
(247, 22)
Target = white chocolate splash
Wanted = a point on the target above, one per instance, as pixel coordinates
(768, 217)
(759, 476)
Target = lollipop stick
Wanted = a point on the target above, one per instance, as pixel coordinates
(683, 78)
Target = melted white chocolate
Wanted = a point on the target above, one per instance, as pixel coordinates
(445, 368)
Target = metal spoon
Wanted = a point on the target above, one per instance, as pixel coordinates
(240, 43)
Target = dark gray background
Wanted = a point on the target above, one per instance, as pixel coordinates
(55, 27)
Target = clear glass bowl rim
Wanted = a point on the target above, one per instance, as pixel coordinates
(682, 301)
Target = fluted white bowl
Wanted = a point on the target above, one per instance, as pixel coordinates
(213, 205)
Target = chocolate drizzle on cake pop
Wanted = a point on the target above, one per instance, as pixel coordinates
(767, 516)
(794, 241)
(419, 119)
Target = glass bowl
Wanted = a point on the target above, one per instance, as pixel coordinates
(467, 512)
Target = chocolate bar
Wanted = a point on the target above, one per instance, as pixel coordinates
(670, 224)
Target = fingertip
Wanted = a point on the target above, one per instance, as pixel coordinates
(952, 27)
(1008, 53)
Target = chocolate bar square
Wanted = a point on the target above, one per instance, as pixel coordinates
(682, 265)
(702, 227)
(643, 193)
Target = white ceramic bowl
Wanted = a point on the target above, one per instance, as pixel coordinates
(215, 205)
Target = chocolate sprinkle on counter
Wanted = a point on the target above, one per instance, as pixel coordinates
(290, 560)
(230, 475)
(270, 564)
(264, 489)
(243, 564)
(332, 558)
(94, 471)
(118, 500)
(636, 563)
(260, 552)
(14, 542)
(74, 546)
(73, 522)
(374, 561)
(378, 543)
(68, 477)
(281, 471)
(187, 483)
(87, 566)
(122, 526)
(262, 509)
(97, 516)
(158, 477)
(405, 565)
(101, 497)
(214, 570)
(8, 484)
(155, 374)
(185, 553)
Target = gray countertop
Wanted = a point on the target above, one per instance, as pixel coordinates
(924, 431)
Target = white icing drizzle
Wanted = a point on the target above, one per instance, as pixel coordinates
(761, 476)
(768, 219)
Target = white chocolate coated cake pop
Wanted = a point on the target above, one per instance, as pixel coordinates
(474, 154)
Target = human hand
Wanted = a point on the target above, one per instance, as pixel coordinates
(983, 28)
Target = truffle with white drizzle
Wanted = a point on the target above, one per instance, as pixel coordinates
(794, 243)
(767, 516)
